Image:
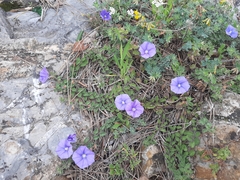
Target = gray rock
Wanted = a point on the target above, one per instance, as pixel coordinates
(56, 26)
(39, 130)
(33, 119)
(5, 28)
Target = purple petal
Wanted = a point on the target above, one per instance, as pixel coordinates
(91, 158)
(105, 15)
(174, 82)
(179, 85)
(141, 50)
(130, 113)
(43, 75)
(134, 109)
(83, 164)
(147, 50)
(64, 149)
(181, 79)
(81, 161)
(145, 56)
(152, 52)
(77, 158)
(121, 101)
(150, 46)
(139, 111)
(144, 45)
(88, 152)
(175, 89)
(234, 34)
(231, 31)
(185, 86)
(72, 138)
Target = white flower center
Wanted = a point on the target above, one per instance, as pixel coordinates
(84, 155)
(179, 85)
(146, 51)
(66, 148)
(133, 109)
(123, 102)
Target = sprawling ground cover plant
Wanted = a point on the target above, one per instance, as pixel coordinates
(169, 56)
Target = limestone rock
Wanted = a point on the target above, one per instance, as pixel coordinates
(234, 147)
(153, 161)
(226, 135)
(32, 116)
(5, 28)
(203, 173)
(226, 132)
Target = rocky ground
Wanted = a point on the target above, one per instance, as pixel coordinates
(226, 136)
(33, 118)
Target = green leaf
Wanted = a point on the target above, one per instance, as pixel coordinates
(125, 50)
(119, 115)
(191, 152)
(116, 125)
(38, 10)
(80, 35)
(78, 61)
(84, 62)
(187, 46)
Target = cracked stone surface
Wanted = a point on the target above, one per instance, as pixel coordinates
(33, 119)
(227, 127)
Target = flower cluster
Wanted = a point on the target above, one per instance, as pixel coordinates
(158, 3)
(43, 75)
(130, 12)
(137, 15)
(83, 157)
(231, 31)
(133, 108)
(112, 10)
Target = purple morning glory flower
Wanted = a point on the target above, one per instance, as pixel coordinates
(134, 109)
(179, 85)
(231, 31)
(147, 50)
(83, 157)
(64, 149)
(121, 101)
(43, 75)
(105, 15)
(72, 138)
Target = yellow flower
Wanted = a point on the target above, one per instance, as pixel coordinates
(150, 26)
(207, 21)
(222, 1)
(142, 21)
(137, 15)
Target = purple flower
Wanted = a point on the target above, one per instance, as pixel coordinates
(179, 85)
(83, 157)
(105, 15)
(147, 50)
(134, 109)
(231, 31)
(121, 101)
(43, 75)
(64, 149)
(72, 138)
